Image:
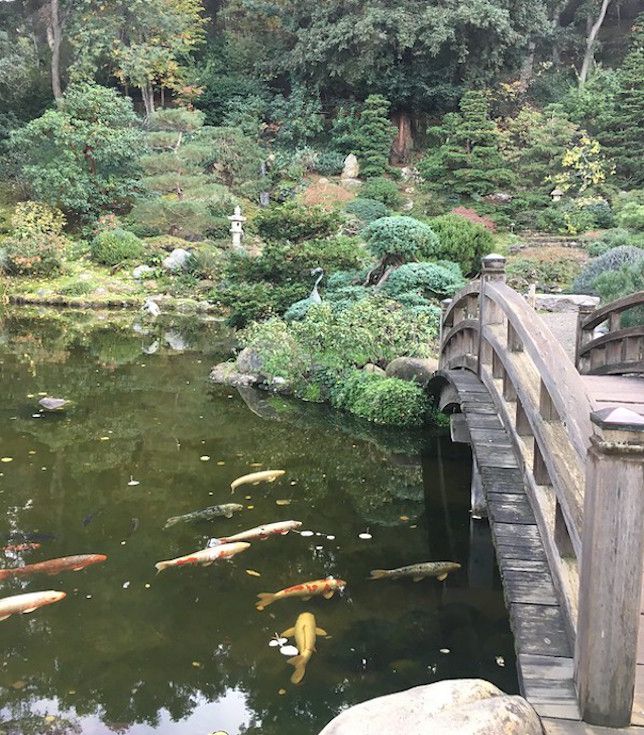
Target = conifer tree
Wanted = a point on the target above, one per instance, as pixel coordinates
(374, 136)
(623, 140)
(468, 159)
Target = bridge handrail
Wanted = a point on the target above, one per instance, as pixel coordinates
(615, 352)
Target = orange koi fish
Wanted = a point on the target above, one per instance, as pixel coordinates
(54, 566)
(306, 590)
(205, 557)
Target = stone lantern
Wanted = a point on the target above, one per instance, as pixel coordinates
(236, 228)
(556, 194)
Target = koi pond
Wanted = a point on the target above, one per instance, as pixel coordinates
(147, 437)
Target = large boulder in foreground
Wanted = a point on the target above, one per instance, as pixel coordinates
(453, 707)
(415, 369)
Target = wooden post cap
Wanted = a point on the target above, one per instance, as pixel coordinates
(617, 418)
(493, 262)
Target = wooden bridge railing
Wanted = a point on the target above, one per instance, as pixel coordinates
(620, 349)
(583, 472)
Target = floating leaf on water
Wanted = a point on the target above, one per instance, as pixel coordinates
(71, 691)
(283, 501)
(293, 482)
(250, 507)
(365, 536)
(253, 573)
(444, 650)
(197, 664)
(404, 518)
(126, 585)
(147, 585)
(288, 651)
(32, 451)
(50, 718)
(204, 458)
(221, 463)
(256, 464)
(133, 482)
(331, 538)
(88, 597)
(219, 732)
(104, 438)
(20, 684)
(281, 691)
(36, 415)
(500, 661)
(6, 459)
(30, 395)
(248, 497)
(306, 533)
(42, 393)
(319, 548)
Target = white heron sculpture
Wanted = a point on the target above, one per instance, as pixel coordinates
(314, 296)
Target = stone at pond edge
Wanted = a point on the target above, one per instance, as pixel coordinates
(413, 369)
(351, 168)
(142, 271)
(564, 302)
(177, 260)
(250, 361)
(452, 707)
(227, 374)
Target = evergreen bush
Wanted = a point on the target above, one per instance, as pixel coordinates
(459, 240)
(373, 137)
(382, 190)
(114, 246)
(329, 163)
(400, 239)
(613, 260)
(430, 280)
(367, 210)
(36, 243)
(295, 222)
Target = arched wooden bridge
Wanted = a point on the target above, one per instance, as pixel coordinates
(558, 450)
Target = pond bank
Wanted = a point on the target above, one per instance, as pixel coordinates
(166, 303)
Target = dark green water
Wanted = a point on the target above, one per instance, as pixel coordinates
(186, 652)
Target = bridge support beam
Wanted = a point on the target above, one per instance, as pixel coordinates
(611, 568)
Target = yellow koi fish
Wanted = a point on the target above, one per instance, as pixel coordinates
(205, 557)
(324, 587)
(256, 477)
(305, 632)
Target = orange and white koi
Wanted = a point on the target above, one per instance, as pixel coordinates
(260, 533)
(17, 548)
(325, 587)
(29, 602)
(54, 566)
(205, 557)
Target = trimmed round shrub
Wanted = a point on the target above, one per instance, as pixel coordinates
(613, 260)
(367, 210)
(613, 239)
(329, 163)
(387, 401)
(112, 247)
(294, 222)
(298, 310)
(632, 216)
(459, 240)
(430, 279)
(382, 190)
(400, 239)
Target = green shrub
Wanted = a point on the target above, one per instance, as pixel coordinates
(521, 272)
(612, 285)
(340, 279)
(77, 288)
(250, 302)
(112, 247)
(387, 401)
(36, 244)
(295, 222)
(367, 210)
(431, 280)
(632, 216)
(178, 119)
(459, 240)
(329, 163)
(298, 310)
(374, 135)
(400, 239)
(613, 260)
(611, 239)
(234, 158)
(382, 190)
(186, 218)
(570, 217)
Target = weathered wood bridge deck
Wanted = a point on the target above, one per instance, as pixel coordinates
(558, 451)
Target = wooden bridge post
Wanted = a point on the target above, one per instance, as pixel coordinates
(611, 568)
(582, 336)
(492, 269)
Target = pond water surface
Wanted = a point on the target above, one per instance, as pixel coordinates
(185, 651)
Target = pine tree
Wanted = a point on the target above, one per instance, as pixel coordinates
(468, 160)
(623, 140)
(374, 136)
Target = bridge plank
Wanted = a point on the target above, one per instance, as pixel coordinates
(547, 683)
(569, 727)
(529, 587)
(539, 629)
(502, 479)
(492, 456)
(518, 553)
(508, 508)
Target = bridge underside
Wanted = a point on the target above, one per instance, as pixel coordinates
(542, 642)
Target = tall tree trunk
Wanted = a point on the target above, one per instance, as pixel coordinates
(555, 24)
(590, 43)
(525, 77)
(147, 93)
(55, 38)
(404, 141)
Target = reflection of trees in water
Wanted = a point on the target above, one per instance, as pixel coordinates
(129, 653)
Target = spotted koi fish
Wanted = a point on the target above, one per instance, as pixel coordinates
(260, 533)
(325, 587)
(54, 566)
(205, 557)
